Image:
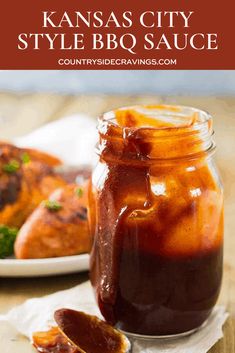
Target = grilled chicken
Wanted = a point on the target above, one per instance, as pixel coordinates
(57, 227)
(26, 178)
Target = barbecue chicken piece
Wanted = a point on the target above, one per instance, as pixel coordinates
(26, 178)
(57, 227)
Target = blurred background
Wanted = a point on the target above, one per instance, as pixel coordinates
(120, 82)
(28, 99)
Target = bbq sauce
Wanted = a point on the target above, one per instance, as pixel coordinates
(90, 334)
(53, 341)
(156, 215)
(176, 295)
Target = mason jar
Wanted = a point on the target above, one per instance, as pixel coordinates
(156, 217)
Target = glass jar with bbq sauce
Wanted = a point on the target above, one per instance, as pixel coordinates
(156, 216)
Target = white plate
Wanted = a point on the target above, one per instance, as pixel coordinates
(44, 267)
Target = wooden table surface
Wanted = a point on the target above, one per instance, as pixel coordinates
(21, 113)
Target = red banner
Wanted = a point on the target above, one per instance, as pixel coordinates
(151, 34)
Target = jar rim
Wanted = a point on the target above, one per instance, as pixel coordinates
(108, 118)
(171, 141)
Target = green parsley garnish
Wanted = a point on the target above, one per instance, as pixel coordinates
(11, 167)
(52, 205)
(79, 192)
(25, 157)
(7, 240)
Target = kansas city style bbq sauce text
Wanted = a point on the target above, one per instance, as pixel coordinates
(155, 30)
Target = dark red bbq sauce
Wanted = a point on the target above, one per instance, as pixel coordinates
(168, 296)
